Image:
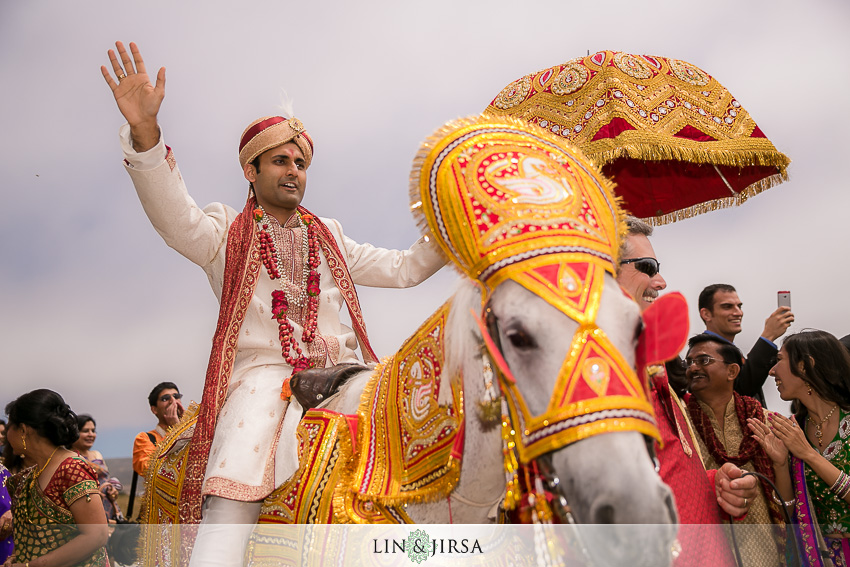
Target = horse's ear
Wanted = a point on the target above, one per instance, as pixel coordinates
(665, 330)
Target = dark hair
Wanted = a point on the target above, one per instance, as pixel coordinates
(154, 395)
(730, 353)
(10, 460)
(124, 542)
(845, 340)
(47, 413)
(706, 296)
(83, 419)
(826, 366)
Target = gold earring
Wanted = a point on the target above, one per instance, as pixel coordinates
(24, 442)
(809, 388)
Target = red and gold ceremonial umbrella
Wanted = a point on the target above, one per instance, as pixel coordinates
(673, 139)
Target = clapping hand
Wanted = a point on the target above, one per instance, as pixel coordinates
(111, 492)
(787, 431)
(772, 445)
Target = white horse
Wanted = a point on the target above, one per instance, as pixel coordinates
(605, 479)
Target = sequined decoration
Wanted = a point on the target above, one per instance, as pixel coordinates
(623, 110)
(505, 201)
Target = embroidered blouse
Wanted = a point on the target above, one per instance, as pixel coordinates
(42, 518)
(833, 513)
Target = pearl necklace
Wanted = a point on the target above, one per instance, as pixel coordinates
(818, 431)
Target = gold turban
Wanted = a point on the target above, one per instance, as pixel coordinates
(270, 132)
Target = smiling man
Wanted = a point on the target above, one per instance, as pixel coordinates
(640, 271)
(281, 276)
(701, 495)
(719, 415)
(721, 310)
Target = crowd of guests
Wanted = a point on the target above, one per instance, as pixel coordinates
(723, 450)
(57, 515)
(57, 498)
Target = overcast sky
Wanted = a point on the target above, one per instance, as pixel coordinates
(96, 306)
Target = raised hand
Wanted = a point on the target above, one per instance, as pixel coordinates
(772, 445)
(137, 99)
(777, 323)
(173, 412)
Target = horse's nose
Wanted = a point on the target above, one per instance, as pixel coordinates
(604, 511)
(603, 514)
(670, 503)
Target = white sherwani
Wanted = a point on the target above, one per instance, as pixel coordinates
(254, 447)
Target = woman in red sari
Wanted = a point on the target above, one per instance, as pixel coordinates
(57, 514)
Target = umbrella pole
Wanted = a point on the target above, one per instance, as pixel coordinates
(723, 177)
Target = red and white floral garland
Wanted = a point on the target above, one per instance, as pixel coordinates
(281, 302)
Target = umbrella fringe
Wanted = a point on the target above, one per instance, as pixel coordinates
(695, 152)
(716, 204)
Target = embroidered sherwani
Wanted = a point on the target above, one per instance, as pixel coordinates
(703, 544)
(755, 533)
(254, 448)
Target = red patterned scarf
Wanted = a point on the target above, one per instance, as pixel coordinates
(241, 273)
(750, 450)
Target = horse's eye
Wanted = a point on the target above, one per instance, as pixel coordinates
(520, 339)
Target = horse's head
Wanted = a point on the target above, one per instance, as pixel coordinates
(536, 226)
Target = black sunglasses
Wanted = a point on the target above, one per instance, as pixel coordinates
(167, 397)
(648, 266)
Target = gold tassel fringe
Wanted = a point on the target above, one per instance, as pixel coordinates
(722, 203)
(654, 147)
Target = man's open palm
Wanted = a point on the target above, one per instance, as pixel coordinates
(137, 98)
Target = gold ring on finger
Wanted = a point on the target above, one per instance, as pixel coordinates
(745, 502)
(121, 76)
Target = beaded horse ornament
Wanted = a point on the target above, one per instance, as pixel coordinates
(509, 201)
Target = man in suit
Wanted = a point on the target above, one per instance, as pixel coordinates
(721, 311)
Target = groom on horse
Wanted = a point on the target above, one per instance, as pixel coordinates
(281, 275)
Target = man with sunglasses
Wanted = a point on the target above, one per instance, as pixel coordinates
(719, 415)
(640, 271)
(701, 496)
(165, 404)
(721, 311)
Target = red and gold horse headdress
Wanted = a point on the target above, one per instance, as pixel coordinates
(506, 200)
